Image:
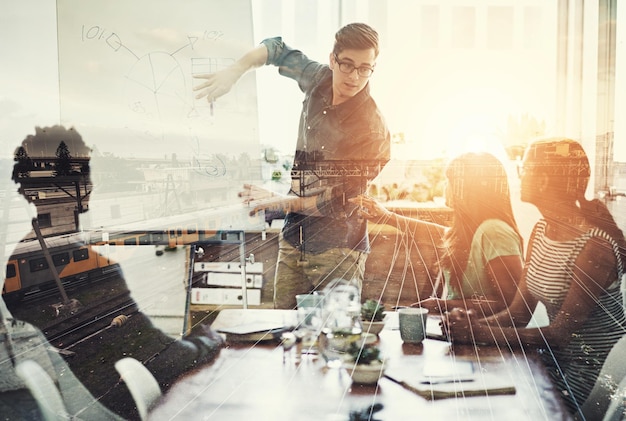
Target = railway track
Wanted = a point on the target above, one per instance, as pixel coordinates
(76, 283)
(84, 323)
(105, 297)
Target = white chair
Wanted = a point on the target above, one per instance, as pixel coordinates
(608, 393)
(43, 390)
(143, 386)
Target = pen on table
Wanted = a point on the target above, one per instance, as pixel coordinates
(446, 380)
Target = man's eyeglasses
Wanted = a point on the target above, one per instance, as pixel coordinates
(347, 68)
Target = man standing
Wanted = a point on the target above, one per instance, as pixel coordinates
(343, 143)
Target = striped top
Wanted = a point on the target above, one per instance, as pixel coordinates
(575, 368)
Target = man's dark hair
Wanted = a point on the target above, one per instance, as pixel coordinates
(356, 36)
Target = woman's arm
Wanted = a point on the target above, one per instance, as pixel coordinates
(518, 313)
(504, 274)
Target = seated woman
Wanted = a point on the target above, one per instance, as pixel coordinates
(574, 264)
(482, 250)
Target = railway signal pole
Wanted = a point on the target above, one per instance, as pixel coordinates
(66, 304)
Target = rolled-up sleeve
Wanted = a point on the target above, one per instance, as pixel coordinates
(499, 239)
(292, 63)
(275, 47)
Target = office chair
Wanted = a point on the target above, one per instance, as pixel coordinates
(143, 386)
(43, 389)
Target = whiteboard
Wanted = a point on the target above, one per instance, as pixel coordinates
(126, 85)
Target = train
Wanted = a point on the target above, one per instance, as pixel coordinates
(86, 255)
(27, 268)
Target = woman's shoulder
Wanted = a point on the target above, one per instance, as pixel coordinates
(599, 238)
(495, 234)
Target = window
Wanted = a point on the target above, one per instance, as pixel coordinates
(37, 264)
(158, 238)
(61, 259)
(463, 27)
(81, 254)
(44, 220)
(500, 27)
(11, 271)
(533, 25)
(429, 34)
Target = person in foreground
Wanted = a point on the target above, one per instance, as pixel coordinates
(94, 357)
(341, 129)
(482, 251)
(574, 265)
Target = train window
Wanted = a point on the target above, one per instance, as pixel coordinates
(172, 234)
(38, 264)
(159, 238)
(179, 232)
(144, 239)
(130, 241)
(80, 254)
(191, 230)
(61, 259)
(11, 272)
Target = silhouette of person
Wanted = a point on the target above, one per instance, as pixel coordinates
(133, 334)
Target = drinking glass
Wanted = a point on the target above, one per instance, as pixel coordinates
(309, 320)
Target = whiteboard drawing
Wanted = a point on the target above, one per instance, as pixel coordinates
(126, 84)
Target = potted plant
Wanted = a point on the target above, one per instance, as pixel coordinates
(372, 316)
(365, 365)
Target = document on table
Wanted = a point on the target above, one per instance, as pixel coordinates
(449, 378)
(447, 370)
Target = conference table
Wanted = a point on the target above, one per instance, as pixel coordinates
(256, 379)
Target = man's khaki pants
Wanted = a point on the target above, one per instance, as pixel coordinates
(297, 274)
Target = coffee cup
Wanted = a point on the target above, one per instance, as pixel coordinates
(412, 324)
